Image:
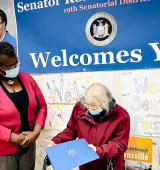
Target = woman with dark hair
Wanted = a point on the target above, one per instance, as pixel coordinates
(23, 111)
(5, 36)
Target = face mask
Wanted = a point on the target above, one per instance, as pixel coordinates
(12, 73)
(96, 112)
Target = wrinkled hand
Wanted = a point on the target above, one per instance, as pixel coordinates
(92, 146)
(30, 137)
(49, 142)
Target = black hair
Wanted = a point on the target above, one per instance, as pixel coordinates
(7, 49)
(3, 16)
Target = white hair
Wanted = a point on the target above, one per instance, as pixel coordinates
(100, 93)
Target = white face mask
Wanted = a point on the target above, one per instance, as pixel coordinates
(96, 112)
(12, 73)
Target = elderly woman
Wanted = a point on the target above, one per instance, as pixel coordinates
(22, 113)
(104, 124)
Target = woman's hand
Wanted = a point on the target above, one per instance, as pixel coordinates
(30, 138)
(92, 146)
(49, 143)
(17, 138)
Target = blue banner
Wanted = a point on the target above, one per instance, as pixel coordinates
(87, 35)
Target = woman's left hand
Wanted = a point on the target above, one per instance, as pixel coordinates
(31, 137)
(92, 146)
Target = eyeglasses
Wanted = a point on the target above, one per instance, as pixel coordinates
(92, 106)
(9, 67)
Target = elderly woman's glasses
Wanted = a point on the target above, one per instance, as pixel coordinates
(90, 105)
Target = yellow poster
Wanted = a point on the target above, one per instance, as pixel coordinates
(139, 149)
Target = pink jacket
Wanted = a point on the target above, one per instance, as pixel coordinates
(10, 116)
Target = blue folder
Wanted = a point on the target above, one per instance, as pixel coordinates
(68, 155)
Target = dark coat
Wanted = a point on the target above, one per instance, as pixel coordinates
(109, 134)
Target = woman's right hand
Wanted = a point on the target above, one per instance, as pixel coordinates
(49, 143)
(17, 138)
